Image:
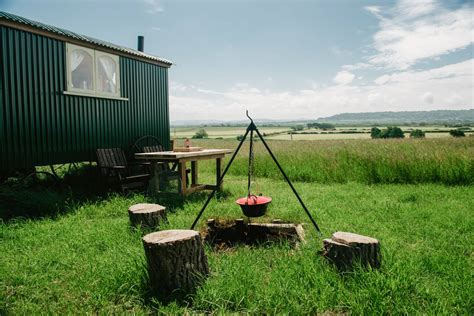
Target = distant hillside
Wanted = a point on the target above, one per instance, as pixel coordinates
(408, 117)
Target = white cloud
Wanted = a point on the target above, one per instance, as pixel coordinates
(414, 31)
(441, 88)
(415, 8)
(462, 70)
(382, 79)
(336, 50)
(344, 77)
(373, 9)
(428, 97)
(454, 99)
(410, 32)
(154, 6)
(357, 66)
(177, 87)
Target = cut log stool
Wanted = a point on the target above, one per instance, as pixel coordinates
(146, 215)
(176, 260)
(344, 249)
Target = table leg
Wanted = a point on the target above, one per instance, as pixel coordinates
(194, 173)
(182, 177)
(218, 173)
(155, 180)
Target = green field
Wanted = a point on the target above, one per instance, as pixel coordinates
(445, 160)
(71, 251)
(283, 132)
(221, 132)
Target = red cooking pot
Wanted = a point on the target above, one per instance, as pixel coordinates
(254, 206)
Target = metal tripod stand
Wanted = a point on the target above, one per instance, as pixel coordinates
(251, 128)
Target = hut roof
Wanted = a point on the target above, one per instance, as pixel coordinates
(6, 17)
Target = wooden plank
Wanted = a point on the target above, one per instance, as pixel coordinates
(168, 159)
(196, 188)
(202, 158)
(181, 158)
(187, 149)
(171, 155)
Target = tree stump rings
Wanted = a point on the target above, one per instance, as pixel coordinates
(344, 249)
(146, 215)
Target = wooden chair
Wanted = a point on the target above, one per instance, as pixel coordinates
(113, 164)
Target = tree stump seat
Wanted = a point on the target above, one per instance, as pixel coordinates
(177, 263)
(146, 215)
(344, 249)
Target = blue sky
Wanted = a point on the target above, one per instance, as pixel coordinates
(288, 59)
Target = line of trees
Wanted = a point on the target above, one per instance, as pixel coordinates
(397, 132)
(457, 133)
(201, 133)
(389, 132)
(323, 126)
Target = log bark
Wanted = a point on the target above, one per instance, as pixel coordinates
(345, 249)
(177, 264)
(230, 233)
(146, 215)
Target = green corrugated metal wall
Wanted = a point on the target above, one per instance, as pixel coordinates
(40, 125)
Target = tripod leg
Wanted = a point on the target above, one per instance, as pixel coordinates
(220, 179)
(288, 180)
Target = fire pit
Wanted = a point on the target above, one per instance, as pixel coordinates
(230, 233)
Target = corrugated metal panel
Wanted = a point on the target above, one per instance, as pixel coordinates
(56, 30)
(40, 125)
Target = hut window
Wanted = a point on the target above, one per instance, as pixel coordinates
(107, 73)
(92, 72)
(81, 69)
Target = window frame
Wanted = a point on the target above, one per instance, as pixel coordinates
(95, 92)
(115, 58)
(69, 49)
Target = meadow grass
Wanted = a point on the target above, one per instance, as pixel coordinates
(224, 132)
(82, 257)
(347, 136)
(448, 161)
(282, 132)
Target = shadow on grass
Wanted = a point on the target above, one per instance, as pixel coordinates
(174, 201)
(43, 196)
(46, 197)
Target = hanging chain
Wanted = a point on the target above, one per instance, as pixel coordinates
(251, 164)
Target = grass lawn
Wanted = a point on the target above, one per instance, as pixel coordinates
(82, 257)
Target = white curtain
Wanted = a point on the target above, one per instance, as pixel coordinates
(77, 57)
(109, 67)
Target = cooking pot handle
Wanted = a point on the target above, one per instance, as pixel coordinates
(252, 196)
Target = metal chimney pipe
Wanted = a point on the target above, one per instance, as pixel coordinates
(141, 43)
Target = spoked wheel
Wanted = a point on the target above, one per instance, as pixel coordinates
(147, 143)
(33, 176)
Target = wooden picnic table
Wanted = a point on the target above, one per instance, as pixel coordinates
(181, 158)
